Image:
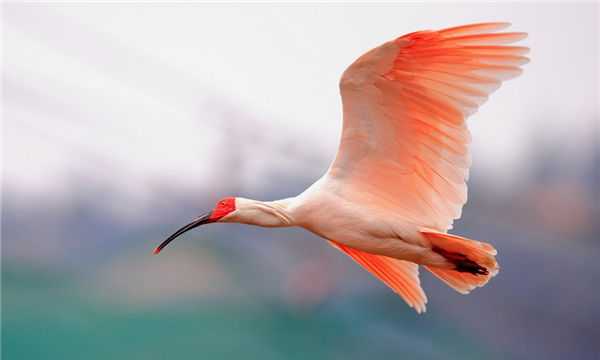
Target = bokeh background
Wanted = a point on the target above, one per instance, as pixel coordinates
(121, 122)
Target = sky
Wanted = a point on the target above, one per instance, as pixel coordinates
(127, 97)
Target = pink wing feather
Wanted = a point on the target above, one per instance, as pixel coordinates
(406, 102)
(401, 276)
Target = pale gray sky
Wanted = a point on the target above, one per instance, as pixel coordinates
(123, 94)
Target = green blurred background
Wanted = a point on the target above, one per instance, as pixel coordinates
(124, 121)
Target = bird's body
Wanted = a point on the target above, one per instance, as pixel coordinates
(323, 211)
(399, 177)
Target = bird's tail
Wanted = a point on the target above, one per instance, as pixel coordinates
(474, 261)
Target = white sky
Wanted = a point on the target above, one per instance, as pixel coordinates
(120, 94)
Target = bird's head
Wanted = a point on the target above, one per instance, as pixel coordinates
(221, 211)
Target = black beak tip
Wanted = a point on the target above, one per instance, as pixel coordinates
(202, 219)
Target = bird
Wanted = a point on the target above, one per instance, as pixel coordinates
(398, 179)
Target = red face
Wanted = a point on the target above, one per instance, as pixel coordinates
(224, 207)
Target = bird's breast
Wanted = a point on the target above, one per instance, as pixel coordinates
(350, 225)
(325, 210)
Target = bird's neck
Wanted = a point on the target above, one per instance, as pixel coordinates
(264, 213)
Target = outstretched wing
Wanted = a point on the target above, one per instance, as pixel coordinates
(406, 102)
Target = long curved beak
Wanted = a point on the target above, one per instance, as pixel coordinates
(202, 219)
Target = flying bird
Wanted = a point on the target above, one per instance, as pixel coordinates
(398, 179)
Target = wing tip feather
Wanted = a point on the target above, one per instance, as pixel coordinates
(476, 28)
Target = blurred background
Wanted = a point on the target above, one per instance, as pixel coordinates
(121, 122)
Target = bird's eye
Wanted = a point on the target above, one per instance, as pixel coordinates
(223, 203)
